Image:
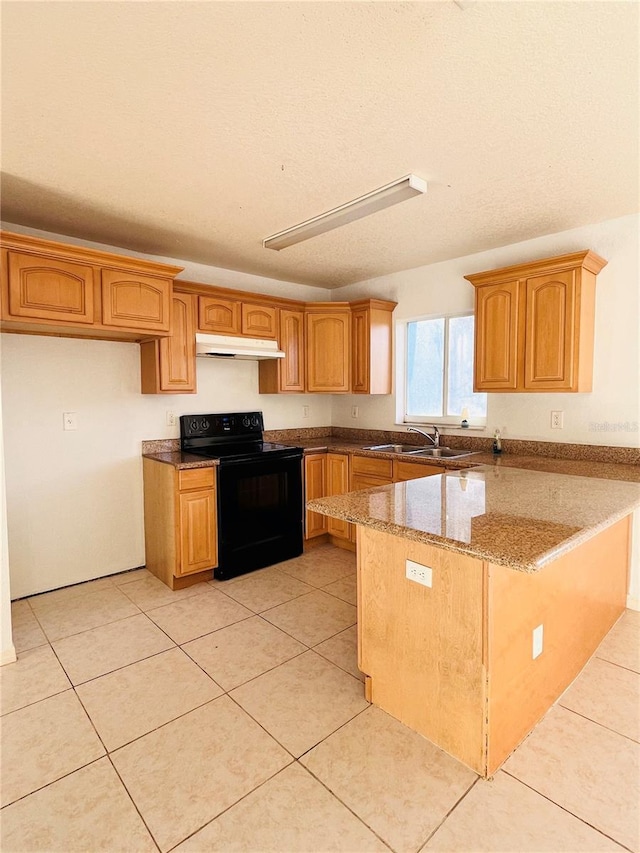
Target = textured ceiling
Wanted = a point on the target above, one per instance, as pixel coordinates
(195, 129)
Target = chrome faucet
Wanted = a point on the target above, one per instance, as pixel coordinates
(434, 439)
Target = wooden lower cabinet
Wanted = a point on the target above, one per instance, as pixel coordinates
(315, 486)
(180, 523)
(168, 365)
(338, 484)
(453, 661)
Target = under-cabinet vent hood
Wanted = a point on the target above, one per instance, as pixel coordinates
(224, 346)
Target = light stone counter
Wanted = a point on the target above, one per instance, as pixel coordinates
(513, 517)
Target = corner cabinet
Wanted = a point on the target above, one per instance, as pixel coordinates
(328, 336)
(535, 325)
(168, 365)
(180, 523)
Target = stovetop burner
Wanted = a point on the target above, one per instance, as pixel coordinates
(228, 436)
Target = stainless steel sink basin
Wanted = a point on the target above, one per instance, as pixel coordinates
(393, 448)
(440, 452)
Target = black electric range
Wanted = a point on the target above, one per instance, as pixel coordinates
(259, 490)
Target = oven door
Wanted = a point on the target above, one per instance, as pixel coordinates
(260, 513)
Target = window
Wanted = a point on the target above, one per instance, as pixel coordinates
(439, 372)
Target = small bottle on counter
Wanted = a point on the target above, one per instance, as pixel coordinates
(497, 443)
(465, 414)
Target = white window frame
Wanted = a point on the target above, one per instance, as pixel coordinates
(401, 337)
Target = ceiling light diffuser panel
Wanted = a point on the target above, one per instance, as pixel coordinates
(365, 205)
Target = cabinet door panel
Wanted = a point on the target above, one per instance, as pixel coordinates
(50, 290)
(315, 485)
(338, 484)
(198, 534)
(223, 316)
(497, 337)
(259, 321)
(292, 343)
(178, 350)
(328, 352)
(134, 301)
(360, 345)
(549, 339)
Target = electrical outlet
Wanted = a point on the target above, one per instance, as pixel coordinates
(537, 642)
(355, 411)
(305, 411)
(557, 420)
(70, 420)
(171, 418)
(418, 573)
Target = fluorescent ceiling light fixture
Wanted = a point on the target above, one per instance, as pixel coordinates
(386, 196)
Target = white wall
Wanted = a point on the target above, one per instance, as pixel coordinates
(441, 288)
(7, 649)
(75, 498)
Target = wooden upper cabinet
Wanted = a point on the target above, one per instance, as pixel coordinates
(54, 288)
(328, 345)
(535, 325)
(168, 365)
(371, 346)
(49, 289)
(497, 337)
(134, 301)
(550, 331)
(259, 321)
(286, 375)
(219, 315)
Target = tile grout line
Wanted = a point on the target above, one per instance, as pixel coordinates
(133, 802)
(597, 723)
(566, 810)
(612, 662)
(450, 812)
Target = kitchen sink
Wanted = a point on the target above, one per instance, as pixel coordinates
(440, 452)
(393, 448)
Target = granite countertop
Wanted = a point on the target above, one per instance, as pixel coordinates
(181, 460)
(574, 467)
(514, 517)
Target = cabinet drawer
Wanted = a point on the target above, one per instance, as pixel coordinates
(196, 478)
(366, 481)
(376, 467)
(413, 470)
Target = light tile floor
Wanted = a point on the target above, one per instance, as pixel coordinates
(230, 717)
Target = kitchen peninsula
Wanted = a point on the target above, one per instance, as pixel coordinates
(482, 594)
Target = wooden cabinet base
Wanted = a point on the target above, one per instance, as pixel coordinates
(454, 661)
(188, 580)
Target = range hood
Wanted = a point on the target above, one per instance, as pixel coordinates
(224, 346)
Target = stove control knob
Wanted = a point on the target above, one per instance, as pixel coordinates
(193, 426)
(254, 421)
(245, 422)
(204, 424)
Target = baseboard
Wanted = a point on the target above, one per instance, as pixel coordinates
(633, 603)
(8, 655)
